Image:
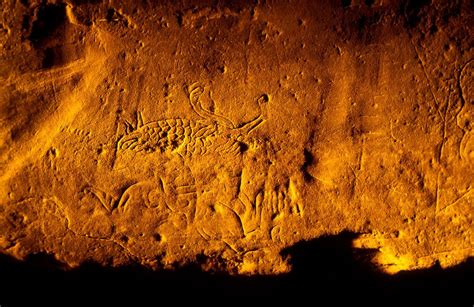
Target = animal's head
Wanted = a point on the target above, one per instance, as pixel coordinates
(134, 138)
(130, 141)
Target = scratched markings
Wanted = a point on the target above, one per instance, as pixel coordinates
(169, 201)
(213, 133)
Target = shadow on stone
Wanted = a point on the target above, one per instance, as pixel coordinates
(327, 268)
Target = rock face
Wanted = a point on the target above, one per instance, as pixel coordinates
(159, 133)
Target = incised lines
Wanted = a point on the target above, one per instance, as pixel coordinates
(258, 209)
(269, 207)
(213, 133)
(258, 215)
(464, 116)
(161, 195)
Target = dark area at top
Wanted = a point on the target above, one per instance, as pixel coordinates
(49, 19)
(324, 269)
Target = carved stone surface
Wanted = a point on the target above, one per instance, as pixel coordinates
(155, 132)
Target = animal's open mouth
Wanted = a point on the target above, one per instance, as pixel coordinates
(128, 144)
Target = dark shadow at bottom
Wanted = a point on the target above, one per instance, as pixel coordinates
(326, 268)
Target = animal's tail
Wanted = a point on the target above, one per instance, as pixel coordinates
(247, 127)
(195, 91)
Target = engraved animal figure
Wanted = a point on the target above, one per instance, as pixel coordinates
(187, 137)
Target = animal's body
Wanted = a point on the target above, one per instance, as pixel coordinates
(187, 137)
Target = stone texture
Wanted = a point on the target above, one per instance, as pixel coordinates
(161, 132)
